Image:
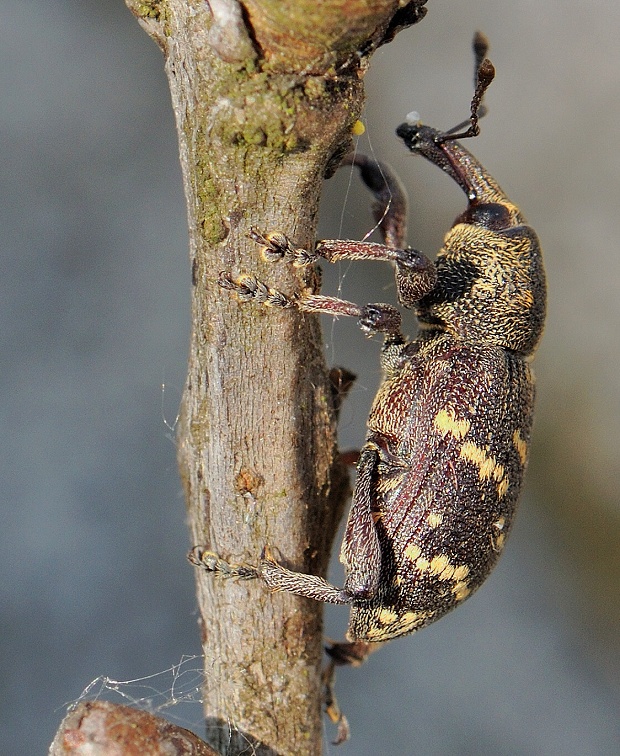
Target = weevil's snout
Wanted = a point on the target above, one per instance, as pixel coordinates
(425, 141)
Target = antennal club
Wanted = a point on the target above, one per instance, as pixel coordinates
(484, 73)
(481, 48)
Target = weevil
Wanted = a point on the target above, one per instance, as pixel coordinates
(441, 469)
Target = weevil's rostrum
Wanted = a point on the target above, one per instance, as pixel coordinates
(440, 472)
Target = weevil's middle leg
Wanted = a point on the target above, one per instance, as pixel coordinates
(372, 318)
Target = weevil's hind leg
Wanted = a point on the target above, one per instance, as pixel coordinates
(352, 653)
(332, 708)
(279, 578)
(207, 560)
(390, 205)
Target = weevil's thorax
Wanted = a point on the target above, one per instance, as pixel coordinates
(491, 281)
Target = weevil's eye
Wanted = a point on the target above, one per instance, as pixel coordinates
(385, 444)
(491, 215)
(389, 460)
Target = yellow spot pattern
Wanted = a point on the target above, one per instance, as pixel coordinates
(434, 519)
(387, 617)
(447, 423)
(375, 634)
(460, 573)
(390, 623)
(412, 552)
(410, 621)
(442, 569)
(502, 487)
(441, 564)
(488, 467)
(461, 590)
(422, 564)
(520, 445)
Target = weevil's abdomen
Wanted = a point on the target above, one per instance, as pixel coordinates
(447, 490)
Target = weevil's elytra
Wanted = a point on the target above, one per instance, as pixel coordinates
(441, 469)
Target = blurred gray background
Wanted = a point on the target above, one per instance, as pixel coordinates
(94, 320)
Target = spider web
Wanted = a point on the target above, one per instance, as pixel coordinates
(175, 693)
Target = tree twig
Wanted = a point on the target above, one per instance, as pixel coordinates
(265, 94)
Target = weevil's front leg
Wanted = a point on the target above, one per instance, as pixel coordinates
(416, 275)
(372, 318)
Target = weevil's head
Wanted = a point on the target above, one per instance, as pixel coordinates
(430, 143)
(488, 204)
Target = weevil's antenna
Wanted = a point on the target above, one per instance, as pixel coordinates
(484, 73)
